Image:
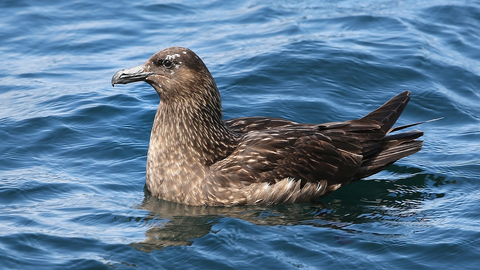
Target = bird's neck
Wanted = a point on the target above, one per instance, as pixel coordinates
(192, 131)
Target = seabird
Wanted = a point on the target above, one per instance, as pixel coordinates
(197, 158)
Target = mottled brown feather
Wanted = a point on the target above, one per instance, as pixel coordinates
(196, 158)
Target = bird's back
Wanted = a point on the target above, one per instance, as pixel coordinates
(277, 158)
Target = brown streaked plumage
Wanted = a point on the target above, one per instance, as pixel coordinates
(196, 158)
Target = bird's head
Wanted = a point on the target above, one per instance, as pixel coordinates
(176, 73)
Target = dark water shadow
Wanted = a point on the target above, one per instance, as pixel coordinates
(366, 201)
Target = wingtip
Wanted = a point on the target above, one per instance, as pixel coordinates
(390, 111)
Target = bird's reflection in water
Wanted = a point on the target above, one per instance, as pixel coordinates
(384, 201)
(173, 224)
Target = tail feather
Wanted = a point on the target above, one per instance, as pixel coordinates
(387, 157)
(373, 138)
(405, 136)
(393, 146)
(411, 125)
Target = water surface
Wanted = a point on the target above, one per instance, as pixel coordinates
(73, 149)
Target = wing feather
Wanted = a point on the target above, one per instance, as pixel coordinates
(302, 154)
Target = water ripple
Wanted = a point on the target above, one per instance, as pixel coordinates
(73, 151)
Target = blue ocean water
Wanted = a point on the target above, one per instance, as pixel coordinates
(73, 149)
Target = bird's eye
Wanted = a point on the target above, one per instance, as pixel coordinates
(167, 63)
